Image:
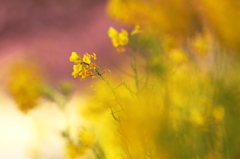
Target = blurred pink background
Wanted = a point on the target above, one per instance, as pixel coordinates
(50, 30)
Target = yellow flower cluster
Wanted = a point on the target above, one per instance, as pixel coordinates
(24, 81)
(119, 39)
(83, 66)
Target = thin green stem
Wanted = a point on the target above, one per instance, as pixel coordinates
(106, 81)
(113, 91)
(134, 66)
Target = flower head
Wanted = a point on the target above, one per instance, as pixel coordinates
(119, 39)
(94, 56)
(112, 33)
(23, 84)
(87, 58)
(83, 66)
(93, 66)
(123, 37)
(76, 70)
(74, 57)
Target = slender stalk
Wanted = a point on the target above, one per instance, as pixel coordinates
(113, 91)
(134, 66)
(107, 82)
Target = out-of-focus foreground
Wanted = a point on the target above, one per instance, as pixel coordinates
(175, 95)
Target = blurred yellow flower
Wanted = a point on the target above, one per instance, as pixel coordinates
(178, 56)
(76, 70)
(74, 57)
(120, 49)
(86, 59)
(112, 33)
(123, 37)
(83, 74)
(24, 81)
(118, 38)
(93, 66)
(196, 117)
(94, 56)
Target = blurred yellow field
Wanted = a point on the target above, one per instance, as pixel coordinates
(164, 84)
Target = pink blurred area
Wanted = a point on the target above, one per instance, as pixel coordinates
(48, 31)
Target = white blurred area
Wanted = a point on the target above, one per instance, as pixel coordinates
(35, 135)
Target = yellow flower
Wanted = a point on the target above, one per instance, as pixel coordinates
(120, 49)
(86, 58)
(118, 39)
(112, 33)
(74, 57)
(76, 70)
(123, 37)
(93, 66)
(178, 56)
(83, 74)
(83, 65)
(115, 42)
(94, 56)
(89, 73)
(23, 84)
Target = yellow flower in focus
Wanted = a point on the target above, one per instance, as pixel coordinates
(74, 57)
(86, 59)
(118, 39)
(76, 70)
(84, 65)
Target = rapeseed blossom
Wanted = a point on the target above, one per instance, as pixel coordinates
(23, 85)
(74, 57)
(119, 39)
(83, 66)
